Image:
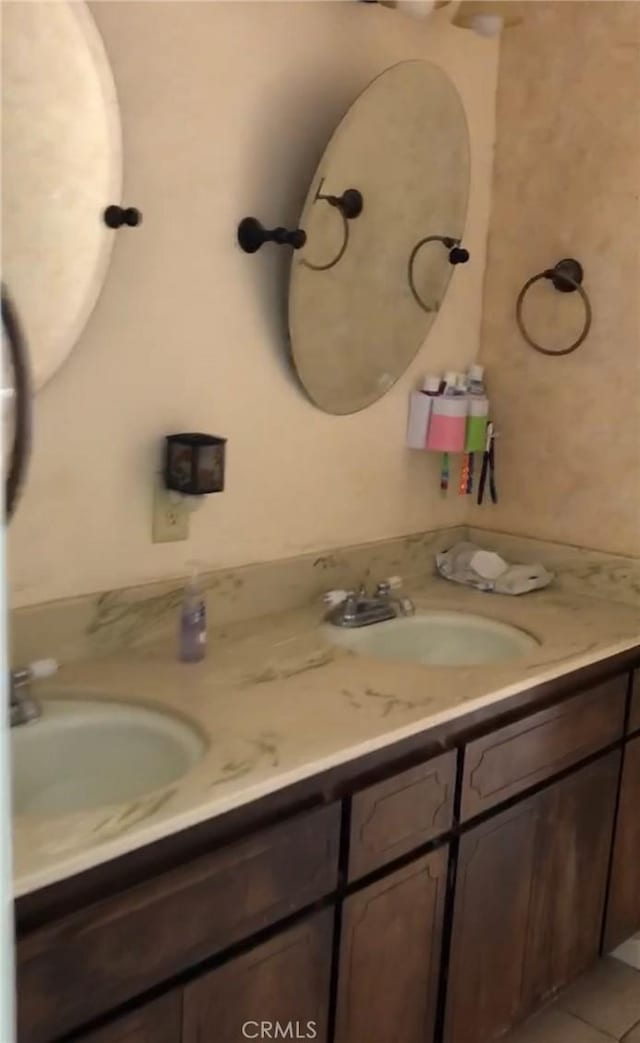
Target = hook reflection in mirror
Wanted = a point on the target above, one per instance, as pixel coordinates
(457, 255)
(350, 205)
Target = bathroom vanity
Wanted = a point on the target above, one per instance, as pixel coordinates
(435, 885)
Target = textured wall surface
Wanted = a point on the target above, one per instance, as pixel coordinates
(226, 109)
(567, 183)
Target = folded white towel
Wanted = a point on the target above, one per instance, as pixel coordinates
(484, 570)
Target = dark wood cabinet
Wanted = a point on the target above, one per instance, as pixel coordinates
(530, 896)
(634, 713)
(157, 1022)
(623, 909)
(304, 918)
(279, 989)
(82, 965)
(390, 955)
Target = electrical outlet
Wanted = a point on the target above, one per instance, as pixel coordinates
(170, 517)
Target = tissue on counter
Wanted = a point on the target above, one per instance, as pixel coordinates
(472, 566)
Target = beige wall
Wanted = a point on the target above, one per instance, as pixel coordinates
(226, 108)
(567, 180)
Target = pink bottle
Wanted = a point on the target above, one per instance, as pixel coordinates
(448, 421)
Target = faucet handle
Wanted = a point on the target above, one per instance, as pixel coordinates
(35, 671)
(41, 668)
(336, 597)
(385, 586)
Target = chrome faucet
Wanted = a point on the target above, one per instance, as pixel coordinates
(23, 707)
(350, 608)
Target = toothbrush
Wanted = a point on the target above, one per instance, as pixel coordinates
(464, 475)
(444, 474)
(469, 488)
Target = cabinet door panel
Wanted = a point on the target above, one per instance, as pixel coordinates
(277, 990)
(623, 911)
(157, 1022)
(571, 866)
(390, 955)
(529, 902)
(492, 902)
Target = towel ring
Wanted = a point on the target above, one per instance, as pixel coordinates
(349, 205)
(566, 276)
(457, 255)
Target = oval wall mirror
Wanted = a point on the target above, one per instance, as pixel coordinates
(61, 166)
(357, 325)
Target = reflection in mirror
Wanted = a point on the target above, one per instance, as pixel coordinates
(355, 326)
(61, 166)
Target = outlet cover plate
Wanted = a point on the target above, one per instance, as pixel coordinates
(170, 517)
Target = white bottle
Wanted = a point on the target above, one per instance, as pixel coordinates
(420, 403)
(450, 383)
(476, 380)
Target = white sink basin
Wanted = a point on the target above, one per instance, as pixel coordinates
(437, 639)
(84, 753)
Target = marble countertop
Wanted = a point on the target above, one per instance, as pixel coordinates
(278, 703)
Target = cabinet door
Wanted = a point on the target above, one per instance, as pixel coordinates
(573, 852)
(157, 1022)
(390, 956)
(623, 910)
(277, 990)
(529, 902)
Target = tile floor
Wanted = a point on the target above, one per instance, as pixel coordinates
(604, 1005)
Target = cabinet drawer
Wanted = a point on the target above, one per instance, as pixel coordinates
(84, 964)
(507, 761)
(395, 816)
(634, 717)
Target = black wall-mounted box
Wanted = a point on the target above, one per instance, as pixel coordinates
(194, 464)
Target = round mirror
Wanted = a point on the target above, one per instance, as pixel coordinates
(61, 166)
(356, 324)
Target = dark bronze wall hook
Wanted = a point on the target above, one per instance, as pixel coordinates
(117, 216)
(457, 255)
(252, 235)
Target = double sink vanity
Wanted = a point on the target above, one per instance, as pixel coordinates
(409, 832)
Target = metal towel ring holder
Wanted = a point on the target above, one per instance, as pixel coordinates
(457, 255)
(566, 276)
(349, 205)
